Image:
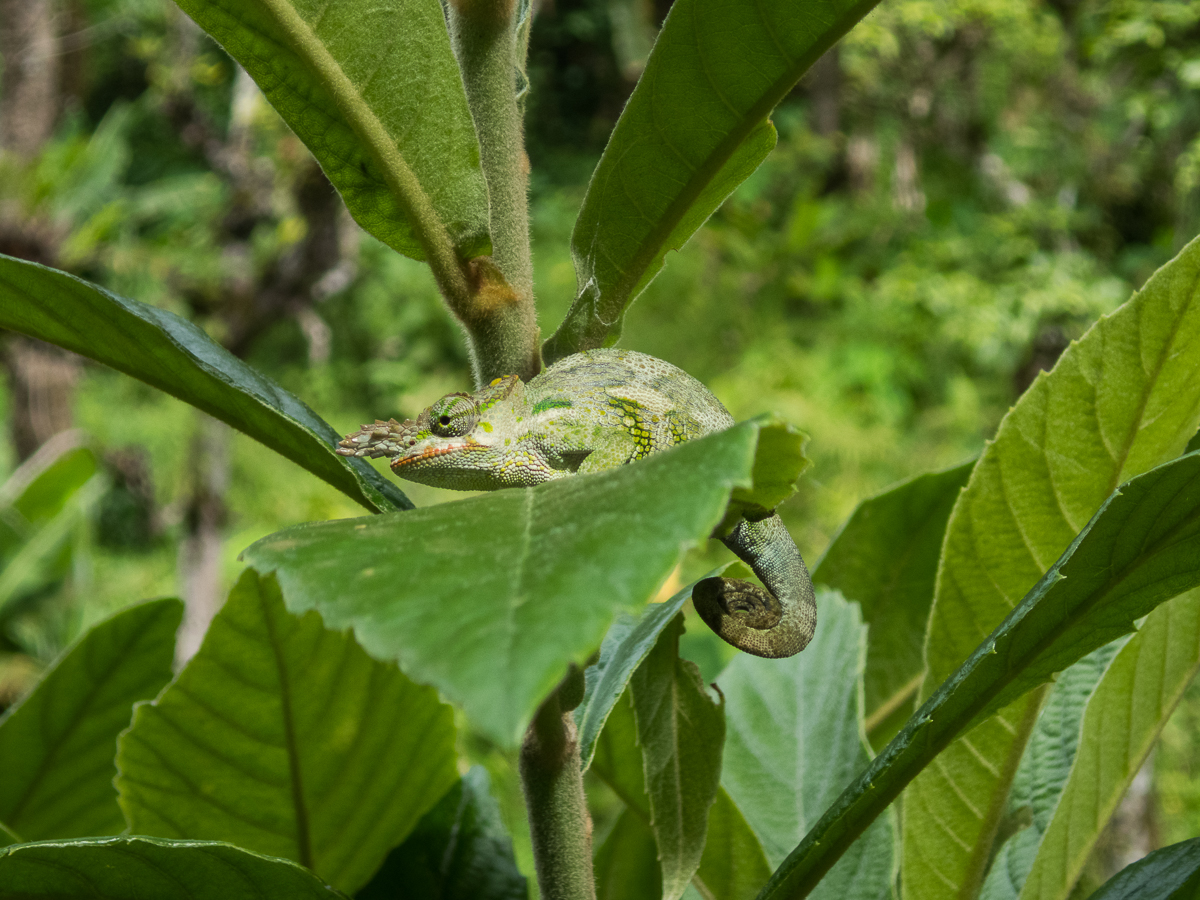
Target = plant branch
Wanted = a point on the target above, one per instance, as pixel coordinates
(502, 321)
(439, 249)
(552, 777)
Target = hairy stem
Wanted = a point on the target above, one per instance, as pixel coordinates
(503, 320)
(552, 777)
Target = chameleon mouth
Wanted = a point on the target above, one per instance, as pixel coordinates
(430, 453)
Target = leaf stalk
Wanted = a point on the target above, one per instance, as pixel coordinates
(552, 778)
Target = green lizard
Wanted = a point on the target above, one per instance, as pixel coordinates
(590, 412)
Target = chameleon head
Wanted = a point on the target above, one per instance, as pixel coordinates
(453, 443)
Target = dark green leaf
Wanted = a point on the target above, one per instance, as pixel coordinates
(140, 868)
(57, 745)
(626, 863)
(885, 558)
(175, 356)
(286, 738)
(491, 597)
(1141, 548)
(681, 730)
(695, 127)
(458, 851)
(1172, 873)
(734, 866)
(372, 87)
(795, 740)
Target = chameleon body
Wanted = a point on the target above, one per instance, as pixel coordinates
(589, 412)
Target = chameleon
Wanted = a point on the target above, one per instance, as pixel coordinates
(590, 412)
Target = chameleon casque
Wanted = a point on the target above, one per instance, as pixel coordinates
(589, 412)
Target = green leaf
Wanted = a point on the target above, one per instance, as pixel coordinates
(518, 583)
(681, 730)
(173, 355)
(734, 866)
(795, 741)
(57, 745)
(695, 128)
(40, 555)
(135, 868)
(1128, 710)
(1123, 399)
(373, 90)
(885, 558)
(1172, 873)
(626, 644)
(618, 761)
(626, 863)
(286, 738)
(1142, 548)
(458, 851)
(1044, 769)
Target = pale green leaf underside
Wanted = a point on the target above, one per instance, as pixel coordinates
(681, 730)
(794, 741)
(695, 127)
(287, 739)
(1141, 549)
(518, 582)
(1125, 398)
(1128, 710)
(373, 90)
(1043, 771)
(173, 355)
(134, 868)
(57, 745)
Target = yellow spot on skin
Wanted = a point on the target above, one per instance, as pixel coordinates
(486, 426)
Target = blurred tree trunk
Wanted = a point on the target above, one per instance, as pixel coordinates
(41, 378)
(29, 92)
(824, 81)
(204, 521)
(246, 306)
(41, 383)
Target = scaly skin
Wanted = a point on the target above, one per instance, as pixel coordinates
(589, 412)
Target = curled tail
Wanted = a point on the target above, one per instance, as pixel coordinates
(775, 624)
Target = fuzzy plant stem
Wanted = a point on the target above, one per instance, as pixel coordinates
(503, 322)
(552, 777)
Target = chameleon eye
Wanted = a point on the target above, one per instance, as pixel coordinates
(453, 416)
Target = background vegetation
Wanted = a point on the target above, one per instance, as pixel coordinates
(960, 189)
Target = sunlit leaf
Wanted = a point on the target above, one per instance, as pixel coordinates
(1123, 399)
(372, 87)
(695, 127)
(1130, 707)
